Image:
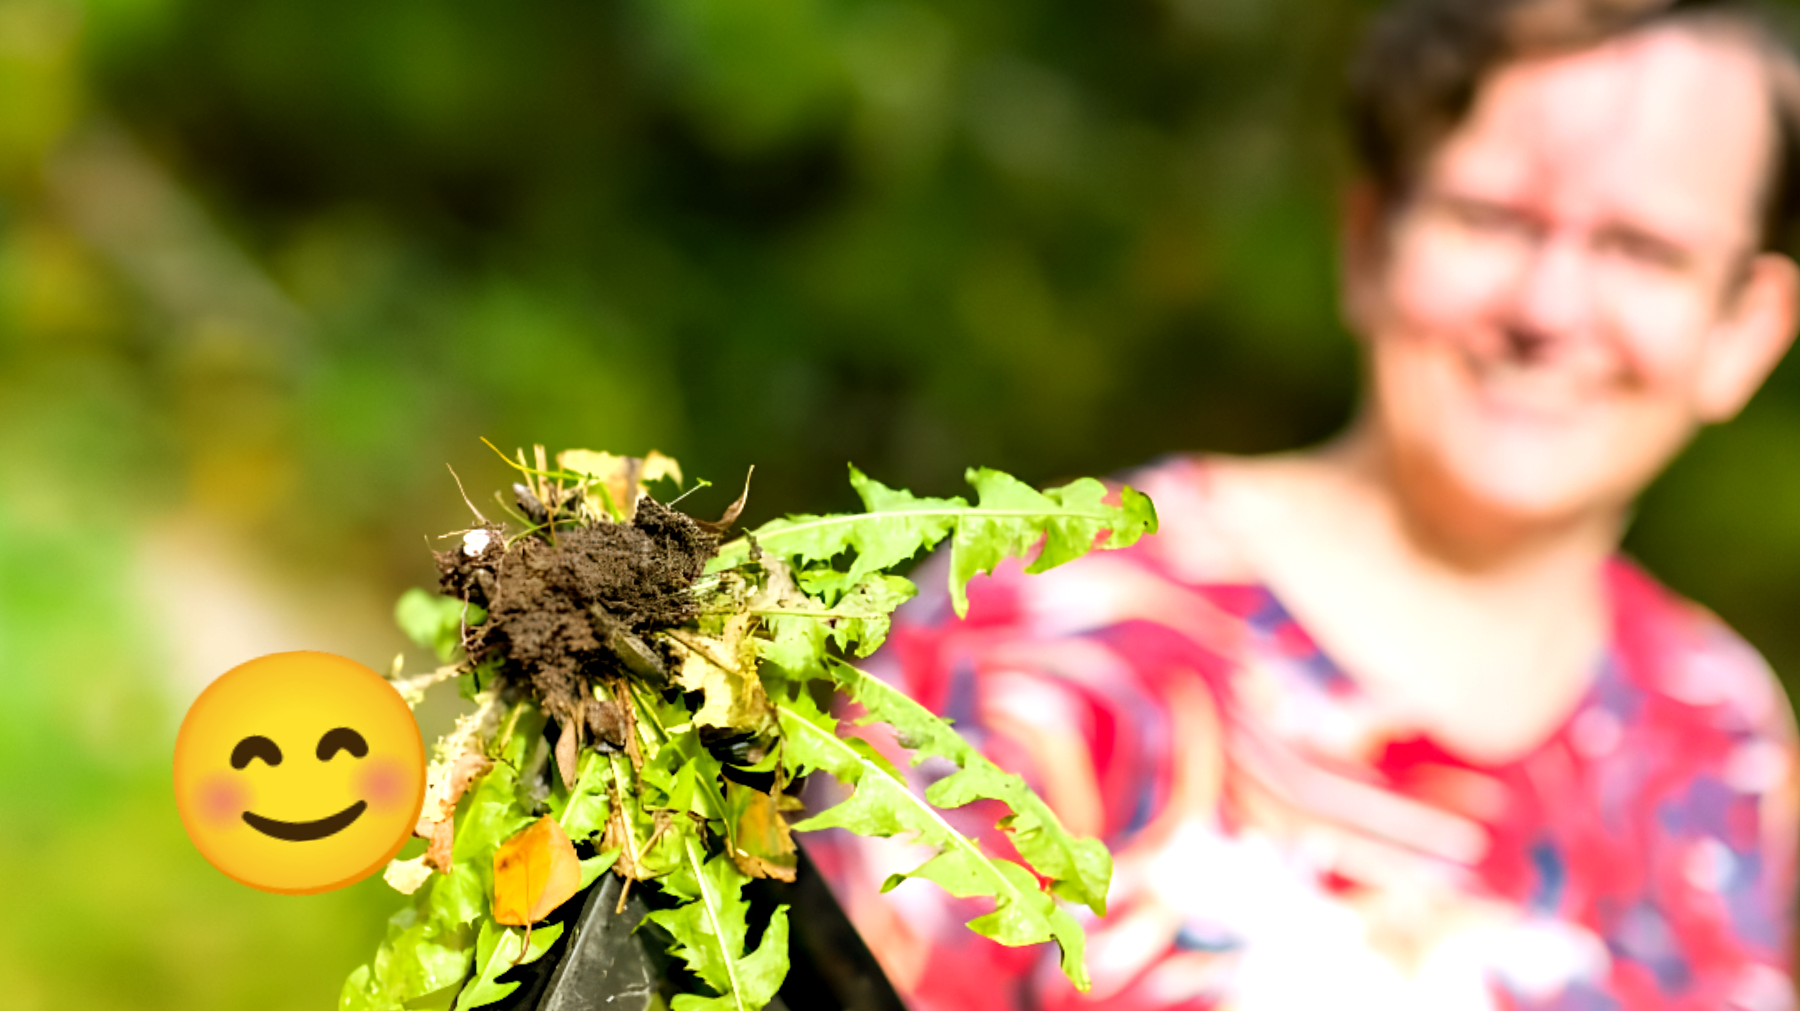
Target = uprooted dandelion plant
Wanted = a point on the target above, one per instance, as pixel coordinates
(634, 670)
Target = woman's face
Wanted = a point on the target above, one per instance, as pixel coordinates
(1574, 286)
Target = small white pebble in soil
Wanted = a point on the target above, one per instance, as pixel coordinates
(475, 542)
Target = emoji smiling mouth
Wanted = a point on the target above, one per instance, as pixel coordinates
(306, 831)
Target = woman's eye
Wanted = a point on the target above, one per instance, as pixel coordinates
(255, 746)
(1643, 249)
(342, 739)
(1490, 218)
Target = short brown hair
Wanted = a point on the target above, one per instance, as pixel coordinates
(1416, 75)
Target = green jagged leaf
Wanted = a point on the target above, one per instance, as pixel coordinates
(358, 993)
(458, 898)
(896, 526)
(795, 645)
(1080, 869)
(1009, 520)
(710, 930)
(819, 591)
(584, 811)
(858, 624)
(471, 682)
(439, 1001)
(683, 777)
(866, 610)
(881, 805)
(435, 622)
(498, 950)
(523, 727)
(420, 955)
(492, 816)
(647, 850)
(1013, 516)
(431, 943)
(760, 972)
(594, 866)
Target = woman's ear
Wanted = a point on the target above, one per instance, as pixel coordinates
(1361, 252)
(1750, 339)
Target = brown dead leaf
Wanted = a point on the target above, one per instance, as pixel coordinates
(731, 511)
(534, 872)
(458, 763)
(568, 748)
(605, 723)
(443, 788)
(455, 781)
(443, 837)
(762, 845)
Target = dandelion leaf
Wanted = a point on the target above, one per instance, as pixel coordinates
(709, 930)
(498, 950)
(880, 804)
(864, 613)
(778, 615)
(1079, 868)
(435, 622)
(586, 809)
(1009, 520)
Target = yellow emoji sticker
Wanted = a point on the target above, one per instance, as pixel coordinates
(299, 772)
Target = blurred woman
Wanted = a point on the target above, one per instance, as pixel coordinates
(1390, 723)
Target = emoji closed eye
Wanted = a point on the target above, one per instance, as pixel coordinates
(342, 739)
(255, 746)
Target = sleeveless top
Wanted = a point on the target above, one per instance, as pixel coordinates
(1281, 842)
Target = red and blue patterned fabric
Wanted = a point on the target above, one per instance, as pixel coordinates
(1283, 841)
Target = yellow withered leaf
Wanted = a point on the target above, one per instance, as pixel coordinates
(534, 872)
(621, 479)
(657, 467)
(724, 668)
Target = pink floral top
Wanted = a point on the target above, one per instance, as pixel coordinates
(1282, 842)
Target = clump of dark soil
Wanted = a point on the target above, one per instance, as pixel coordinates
(566, 613)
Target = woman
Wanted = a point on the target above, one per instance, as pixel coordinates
(1389, 723)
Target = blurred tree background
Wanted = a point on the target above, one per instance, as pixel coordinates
(266, 266)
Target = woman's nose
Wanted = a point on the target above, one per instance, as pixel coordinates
(1552, 305)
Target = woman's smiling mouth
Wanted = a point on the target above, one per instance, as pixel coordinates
(306, 831)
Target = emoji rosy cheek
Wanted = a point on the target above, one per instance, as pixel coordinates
(223, 800)
(383, 784)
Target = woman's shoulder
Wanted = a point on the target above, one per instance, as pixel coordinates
(1677, 649)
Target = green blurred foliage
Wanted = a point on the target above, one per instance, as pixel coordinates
(273, 263)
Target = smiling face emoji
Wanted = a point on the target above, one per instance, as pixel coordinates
(299, 772)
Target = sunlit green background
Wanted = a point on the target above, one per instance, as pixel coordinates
(266, 266)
